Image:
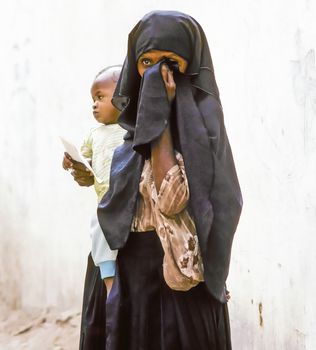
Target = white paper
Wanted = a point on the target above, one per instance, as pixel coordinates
(75, 154)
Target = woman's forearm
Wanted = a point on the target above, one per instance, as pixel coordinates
(162, 157)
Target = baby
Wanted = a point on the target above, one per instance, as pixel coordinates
(98, 148)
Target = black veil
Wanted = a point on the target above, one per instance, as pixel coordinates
(215, 198)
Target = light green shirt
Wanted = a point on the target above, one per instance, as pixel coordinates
(99, 146)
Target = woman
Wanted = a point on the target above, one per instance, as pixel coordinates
(174, 200)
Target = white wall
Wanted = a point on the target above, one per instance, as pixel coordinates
(264, 57)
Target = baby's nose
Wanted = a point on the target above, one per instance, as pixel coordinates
(94, 106)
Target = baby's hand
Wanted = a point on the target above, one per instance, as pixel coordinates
(80, 172)
(67, 161)
(167, 76)
(82, 175)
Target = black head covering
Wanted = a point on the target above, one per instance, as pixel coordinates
(166, 31)
(198, 127)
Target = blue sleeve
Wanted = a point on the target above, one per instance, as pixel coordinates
(107, 268)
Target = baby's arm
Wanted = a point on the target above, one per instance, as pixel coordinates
(107, 270)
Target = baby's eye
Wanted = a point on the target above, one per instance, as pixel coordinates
(146, 61)
(100, 97)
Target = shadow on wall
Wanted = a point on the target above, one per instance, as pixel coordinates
(304, 84)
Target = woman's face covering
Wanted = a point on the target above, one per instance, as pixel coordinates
(152, 57)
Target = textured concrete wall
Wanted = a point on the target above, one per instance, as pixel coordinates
(264, 57)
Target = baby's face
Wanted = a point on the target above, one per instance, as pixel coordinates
(152, 57)
(102, 91)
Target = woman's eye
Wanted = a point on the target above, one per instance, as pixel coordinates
(146, 61)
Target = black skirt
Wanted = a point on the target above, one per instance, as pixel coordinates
(143, 313)
(92, 334)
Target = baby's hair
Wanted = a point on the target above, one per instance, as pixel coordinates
(116, 72)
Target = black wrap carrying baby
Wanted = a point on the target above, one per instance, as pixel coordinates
(199, 133)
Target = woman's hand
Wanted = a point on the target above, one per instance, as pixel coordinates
(167, 76)
(80, 172)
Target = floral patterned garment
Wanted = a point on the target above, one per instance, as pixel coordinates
(165, 212)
